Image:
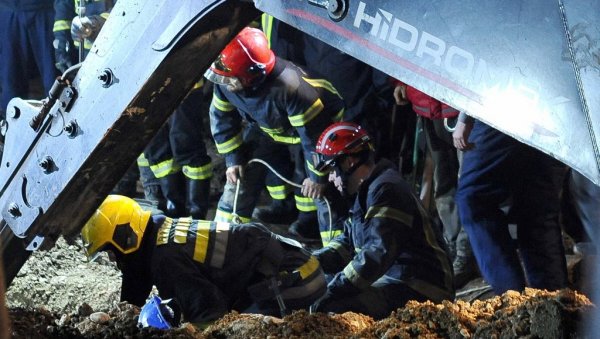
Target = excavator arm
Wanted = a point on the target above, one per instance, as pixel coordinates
(62, 156)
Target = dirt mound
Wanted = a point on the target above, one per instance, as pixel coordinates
(534, 314)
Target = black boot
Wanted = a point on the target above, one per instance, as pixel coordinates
(173, 188)
(198, 197)
(279, 212)
(307, 226)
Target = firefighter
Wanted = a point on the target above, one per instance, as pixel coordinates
(287, 103)
(390, 251)
(178, 158)
(71, 28)
(208, 268)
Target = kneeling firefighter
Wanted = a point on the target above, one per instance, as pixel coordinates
(208, 268)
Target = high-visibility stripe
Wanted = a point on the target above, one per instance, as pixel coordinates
(105, 15)
(312, 169)
(390, 213)
(267, 26)
(339, 115)
(162, 169)
(222, 105)
(198, 173)
(279, 192)
(61, 25)
(86, 44)
(198, 85)
(230, 144)
(322, 84)
(162, 236)
(202, 238)
(355, 278)
(309, 267)
(223, 216)
(181, 230)
(270, 131)
(220, 245)
(142, 161)
(305, 204)
(328, 236)
(285, 139)
(305, 117)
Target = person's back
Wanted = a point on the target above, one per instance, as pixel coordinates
(207, 267)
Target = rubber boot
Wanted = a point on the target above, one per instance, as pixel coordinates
(173, 188)
(152, 190)
(198, 197)
(280, 211)
(307, 226)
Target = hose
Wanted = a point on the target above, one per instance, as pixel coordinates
(267, 165)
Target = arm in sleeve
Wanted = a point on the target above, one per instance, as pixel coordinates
(226, 128)
(308, 115)
(336, 254)
(387, 225)
(64, 12)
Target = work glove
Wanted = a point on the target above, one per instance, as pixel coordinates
(62, 54)
(87, 27)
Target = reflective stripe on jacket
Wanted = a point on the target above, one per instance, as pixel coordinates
(290, 106)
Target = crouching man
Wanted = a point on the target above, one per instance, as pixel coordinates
(390, 251)
(207, 268)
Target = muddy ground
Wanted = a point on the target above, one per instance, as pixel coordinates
(58, 294)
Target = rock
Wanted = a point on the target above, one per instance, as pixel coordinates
(85, 310)
(99, 317)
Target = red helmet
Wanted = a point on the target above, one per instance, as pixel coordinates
(340, 138)
(244, 62)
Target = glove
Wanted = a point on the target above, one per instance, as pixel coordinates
(87, 27)
(62, 54)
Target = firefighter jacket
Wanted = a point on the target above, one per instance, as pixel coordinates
(26, 5)
(208, 266)
(388, 238)
(426, 106)
(291, 106)
(66, 10)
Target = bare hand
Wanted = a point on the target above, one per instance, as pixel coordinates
(400, 95)
(233, 173)
(461, 134)
(313, 190)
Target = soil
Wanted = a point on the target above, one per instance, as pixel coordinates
(58, 294)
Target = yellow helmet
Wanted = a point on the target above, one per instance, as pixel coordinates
(120, 222)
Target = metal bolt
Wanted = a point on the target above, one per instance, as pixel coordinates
(47, 164)
(15, 113)
(71, 128)
(14, 211)
(107, 77)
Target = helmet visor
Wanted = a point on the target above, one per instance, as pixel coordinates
(233, 84)
(323, 163)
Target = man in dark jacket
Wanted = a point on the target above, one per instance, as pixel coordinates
(208, 268)
(288, 104)
(390, 251)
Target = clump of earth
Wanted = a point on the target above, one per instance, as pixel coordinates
(58, 294)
